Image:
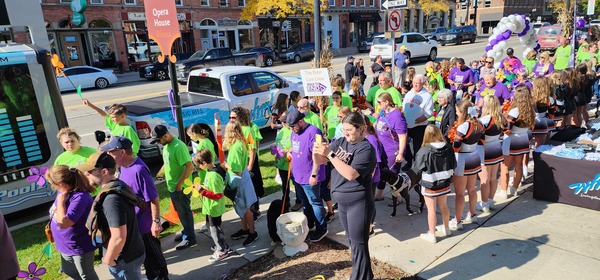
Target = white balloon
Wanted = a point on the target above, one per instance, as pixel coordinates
(527, 52)
(511, 17)
(496, 48)
(490, 53)
(502, 44)
(510, 26)
(493, 37)
(496, 31)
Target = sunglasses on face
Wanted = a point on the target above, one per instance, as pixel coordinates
(489, 62)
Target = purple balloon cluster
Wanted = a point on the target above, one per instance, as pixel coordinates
(526, 29)
(502, 37)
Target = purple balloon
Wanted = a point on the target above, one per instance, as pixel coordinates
(494, 42)
(580, 23)
(488, 48)
(507, 32)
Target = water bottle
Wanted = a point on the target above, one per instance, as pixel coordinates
(459, 94)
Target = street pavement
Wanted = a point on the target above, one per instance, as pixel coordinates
(523, 238)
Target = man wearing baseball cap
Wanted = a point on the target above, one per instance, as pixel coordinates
(350, 70)
(177, 167)
(401, 61)
(134, 172)
(124, 251)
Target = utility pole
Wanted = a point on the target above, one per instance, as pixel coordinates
(317, 26)
(475, 14)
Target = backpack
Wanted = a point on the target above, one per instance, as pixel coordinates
(96, 223)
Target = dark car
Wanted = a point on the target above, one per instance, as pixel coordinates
(266, 54)
(160, 71)
(365, 45)
(458, 34)
(433, 33)
(298, 52)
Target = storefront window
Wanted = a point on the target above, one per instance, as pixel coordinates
(103, 47)
(245, 38)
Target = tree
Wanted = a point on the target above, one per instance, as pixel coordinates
(584, 6)
(280, 9)
(433, 6)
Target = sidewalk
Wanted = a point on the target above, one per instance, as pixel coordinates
(523, 238)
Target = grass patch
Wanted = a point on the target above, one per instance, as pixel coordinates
(30, 241)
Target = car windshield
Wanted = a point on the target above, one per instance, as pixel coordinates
(549, 31)
(455, 30)
(197, 55)
(294, 48)
(244, 50)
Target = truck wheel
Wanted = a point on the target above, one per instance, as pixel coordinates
(269, 61)
(297, 58)
(473, 40)
(443, 44)
(459, 41)
(101, 83)
(161, 75)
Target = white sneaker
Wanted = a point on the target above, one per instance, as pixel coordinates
(491, 204)
(444, 231)
(470, 219)
(483, 206)
(204, 228)
(525, 173)
(512, 191)
(454, 225)
(502, 194)
(429, 237)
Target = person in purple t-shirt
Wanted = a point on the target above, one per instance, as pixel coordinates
(493, 87)
(68, 216)
(460, 77)
(543, 67)
(307, 174)
(510, 54)
(521, 79)
(136, 175)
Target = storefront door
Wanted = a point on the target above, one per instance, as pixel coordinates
(72, 49)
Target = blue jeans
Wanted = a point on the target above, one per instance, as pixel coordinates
(181, 203)
(128, 271)
(313, 205)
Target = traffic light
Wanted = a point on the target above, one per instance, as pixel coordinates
(472, 16)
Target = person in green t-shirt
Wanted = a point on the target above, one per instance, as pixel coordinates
(530, 61)
(385, 84)
(562, 55)
(213, 202)
(74, 153)
(329, 116)
(176, 169)
(338, 83)
(283, 144)
(199, 137)
(309, 116)
(115, 118)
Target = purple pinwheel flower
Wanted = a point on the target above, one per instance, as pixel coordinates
(276, 150)
(33, 272)
(37, 175)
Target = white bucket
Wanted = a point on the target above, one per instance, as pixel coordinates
(292, 228)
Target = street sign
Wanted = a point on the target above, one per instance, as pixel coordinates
(287, 25)
(163, 26)
(394, 4)
(78, 19)
(591, 7)
(394, 21)
(316, 82)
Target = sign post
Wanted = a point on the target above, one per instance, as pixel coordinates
(163, 28)
(394, 22)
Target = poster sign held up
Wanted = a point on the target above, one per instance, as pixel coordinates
(316, 82)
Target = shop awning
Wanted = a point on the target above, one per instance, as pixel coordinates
(364, 17)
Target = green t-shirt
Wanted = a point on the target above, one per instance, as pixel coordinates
(330, 115)
(396, 96)
(175, 156)
(213, 182)
(237, 157)
(256, 132)
(371, 94)
(123, 130)
(75, 159)
(583, 56)
(346, 100)
(283, 140)
(562, 57)
(529, 64)
(250, 137)
(207, 144)
(313, 119)
(579, 50)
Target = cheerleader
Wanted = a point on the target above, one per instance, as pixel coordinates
(468, 133)
(520, 120)
(542, 102)
(490, 151)
(583, 84)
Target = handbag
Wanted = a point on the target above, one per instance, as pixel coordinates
(48, 229)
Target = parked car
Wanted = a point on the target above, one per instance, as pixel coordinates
(459, 34)
(538, 25)
(211, 90)
(365, 45)
(142, 48)
(298, 52)
(433, 33)
(86, 77)
(417, 46)
(159, 71)
(267, 55)
(212, 58)
(548, 38)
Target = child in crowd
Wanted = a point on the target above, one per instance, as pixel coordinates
(433, 87)
(115, 118)
(410, 74)
(199, 137)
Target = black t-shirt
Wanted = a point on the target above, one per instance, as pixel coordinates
(118, 212)
(361, 156)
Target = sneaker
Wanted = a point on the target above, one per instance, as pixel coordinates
(219, 255)
(512, 191)
(471, 218)
(178, 237)
(502, 194)
(313, 228)
(525, 173)
(329, 217)
(444, 231)
(316, 237)
(297, 207)
(250, 239)
(204, 228)
(480, 205)
(454, 225)
(240, 234)
(429, 237)
(335, 206)
(491, 204)
(184, 244)
(257, 215)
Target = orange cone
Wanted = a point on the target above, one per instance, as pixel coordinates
(171, 215)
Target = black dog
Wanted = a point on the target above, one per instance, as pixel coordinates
(401, 185)
(272, 214)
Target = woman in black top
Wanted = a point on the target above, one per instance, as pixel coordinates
(360, 72)
(351, 157)
(376, 69)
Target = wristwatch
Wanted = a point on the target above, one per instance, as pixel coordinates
(331, 155)
(157, 220)
(313, 175)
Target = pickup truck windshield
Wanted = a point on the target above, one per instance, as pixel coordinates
(205, 85)
(198, 55)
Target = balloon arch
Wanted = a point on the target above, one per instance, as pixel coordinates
(519, 24)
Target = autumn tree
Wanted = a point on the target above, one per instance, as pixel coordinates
(432, 6)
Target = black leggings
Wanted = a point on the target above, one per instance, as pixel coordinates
(356, 213)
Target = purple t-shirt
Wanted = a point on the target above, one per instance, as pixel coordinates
(515, 83)
(74, 240)
(462, 76)
(388, 128)
(375, 143)
(538, 69)
(138, 177)
(302, 147)
(499, 90)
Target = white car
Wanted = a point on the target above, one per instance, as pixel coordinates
(142, 48)
(86, 77)
(416, 44)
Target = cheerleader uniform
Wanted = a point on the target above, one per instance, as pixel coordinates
(541, 119)
(465, 149)
(490, 146)
(551, 114)
(516, 140)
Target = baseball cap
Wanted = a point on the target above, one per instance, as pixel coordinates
(97, 160)
(583, 36)
(117, 143)
(510, 51)
(159, 132)
(350, 57)
(294, 117)
(403, 47)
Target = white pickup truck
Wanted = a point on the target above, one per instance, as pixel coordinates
(210, 91)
